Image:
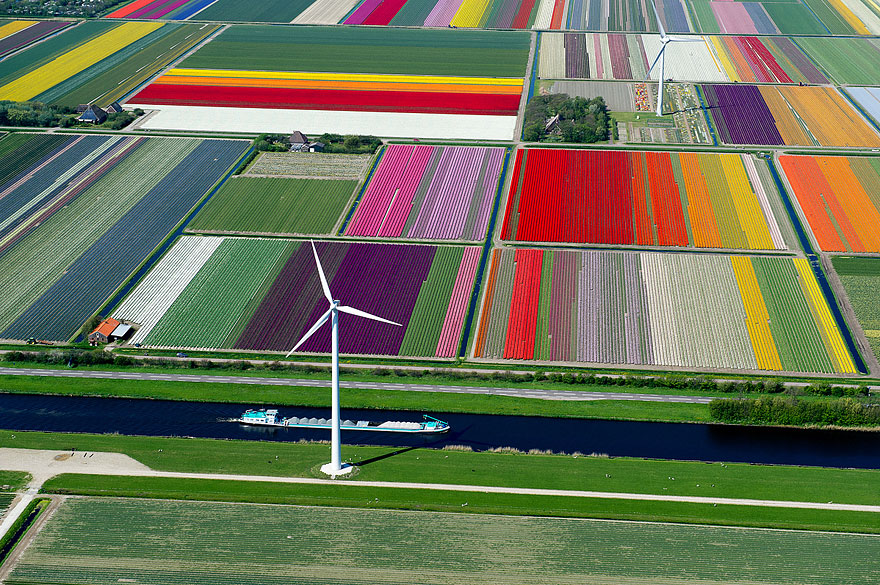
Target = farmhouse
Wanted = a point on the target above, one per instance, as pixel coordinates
(93, 114)
(109, 330)
(298, 141)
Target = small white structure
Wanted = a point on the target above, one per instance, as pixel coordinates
(335, 467)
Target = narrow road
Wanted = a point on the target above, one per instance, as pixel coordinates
(539, 394)
(43, 464)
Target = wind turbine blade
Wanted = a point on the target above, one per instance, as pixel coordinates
(657, 58)
(314, 328)
(324, 284)
(659, 24)
(685, 39)
(359, 313)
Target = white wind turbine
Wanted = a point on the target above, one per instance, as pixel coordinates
(661, 56)
(335, 466)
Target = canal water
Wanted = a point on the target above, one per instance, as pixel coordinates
(704, 442)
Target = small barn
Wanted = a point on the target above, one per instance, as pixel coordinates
(316, 146)
(114, 108)
(298, 142)
(93, 115)
(109, 330)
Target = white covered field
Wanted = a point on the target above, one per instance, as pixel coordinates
(384, 124)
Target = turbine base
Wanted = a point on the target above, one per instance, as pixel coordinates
(333, 471)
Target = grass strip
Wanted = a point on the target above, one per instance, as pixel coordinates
(471, 502)
(358, 398)
(21, 525)
(503, 469)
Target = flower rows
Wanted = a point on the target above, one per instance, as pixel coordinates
(641, 198)
(759, 313)
(430, 192)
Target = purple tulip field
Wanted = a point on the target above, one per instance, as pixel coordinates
(430, 192)
(264, 294)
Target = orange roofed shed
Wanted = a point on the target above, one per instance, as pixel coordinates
(102, 333)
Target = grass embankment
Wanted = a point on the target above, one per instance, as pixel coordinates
(437, 402)
(470, 468)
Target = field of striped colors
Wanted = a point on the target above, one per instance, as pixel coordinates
(335, 91)
(786, 115)
(644, 198)
(649, 308)
(76, 60)
(430, 192)
(840, 197)
(263, 295)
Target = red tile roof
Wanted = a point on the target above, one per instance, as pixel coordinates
(107, 326)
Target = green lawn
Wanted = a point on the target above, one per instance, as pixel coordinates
(259, 205)
(732, 480)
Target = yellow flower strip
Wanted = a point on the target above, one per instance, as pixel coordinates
(75, 60)
(13, 27)
(355, 77)
(757, 318)
(470, 13)
(751, 217)
(851, 19)
(834, 344)
(339, 85)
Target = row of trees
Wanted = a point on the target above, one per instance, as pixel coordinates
(40, 115)
(81, 8)
(580, 120)
(778, 410)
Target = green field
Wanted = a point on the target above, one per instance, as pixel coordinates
(19, 151)
(121, 73)
(259, 205)
(730, 480)
(850, 61)
(366, 50)
(199, 317)
(861, 280)
(98, 541)
(263, 11)
(829, 16)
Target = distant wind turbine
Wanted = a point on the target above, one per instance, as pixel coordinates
(335, 466)
(661, 56)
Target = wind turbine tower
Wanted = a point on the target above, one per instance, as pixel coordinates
(335, 467)
(661, 56)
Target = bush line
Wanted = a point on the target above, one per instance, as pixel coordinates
(78, 357)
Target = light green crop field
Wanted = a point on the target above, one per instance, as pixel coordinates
(260, 205)
(102, 541)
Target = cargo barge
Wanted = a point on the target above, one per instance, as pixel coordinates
(270, 418)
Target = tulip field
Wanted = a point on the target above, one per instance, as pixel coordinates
(164, 9)
(94, 62)
(311, 165)
(718, 58)
(650, 308)
(390, 82)
(81, 213)
(840, 197)
(264, 294)
(430, 192)
(868, 99)
(644, 198)
(355, 92)
(262, 205)
(786, 115)
(18, 33)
